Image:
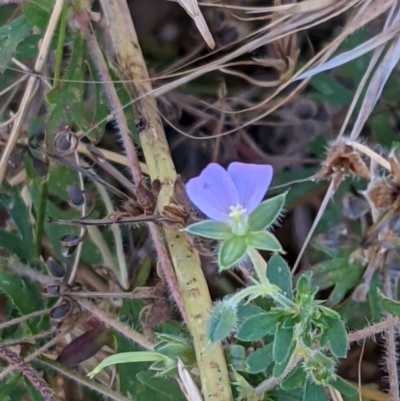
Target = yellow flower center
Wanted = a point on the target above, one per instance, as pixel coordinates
(238, 216)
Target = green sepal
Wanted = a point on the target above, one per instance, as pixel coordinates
(231, 251)
(263, 240)
(210, 229)
(266, 213)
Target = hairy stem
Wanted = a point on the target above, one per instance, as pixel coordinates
(186, 261)
(122, 328)
(84, 22)
(390, 345)
(31, 374)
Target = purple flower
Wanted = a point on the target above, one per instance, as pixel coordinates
(229, 196)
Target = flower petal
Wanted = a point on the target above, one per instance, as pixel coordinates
(213, 192)
(251, 181)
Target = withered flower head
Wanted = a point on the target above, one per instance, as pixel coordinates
(146, 198)
(344, 159)
(180, 210)
(384, 192)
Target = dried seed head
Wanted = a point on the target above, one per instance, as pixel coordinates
(180, 210)
(156, 313)
(176, 214)
(344, 159)
(334, 238)
(385, 231)
(129, 208)
(383, 193)
(145, 197)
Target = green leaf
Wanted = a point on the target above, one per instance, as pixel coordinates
(127, 357)
(344, 387)
(29, 47)
(67, 98)
(294, 378)
(15, 207)
(35, 15)
(313, 392)
(46, 5)
(9, 388)
(280, 395)
(263, 240)
(222, 321)
(231, 251)
(246, 310)
(10, 36)
(98, 108)
(25, 296)
(282, 344)
(330, 90)
(129, 384)
(389, 305)
(14, 244)
(266, 213)
(303, 286)
(257, 326)
(210, 229)
(374, 299)
(335, 334)
(381, 127)
(174, 349)
(279, 368)
(236, 357)
(259, 360)
(166, 389)
(278, 273)
(339, 274)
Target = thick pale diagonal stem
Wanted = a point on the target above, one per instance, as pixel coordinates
(186, 262)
